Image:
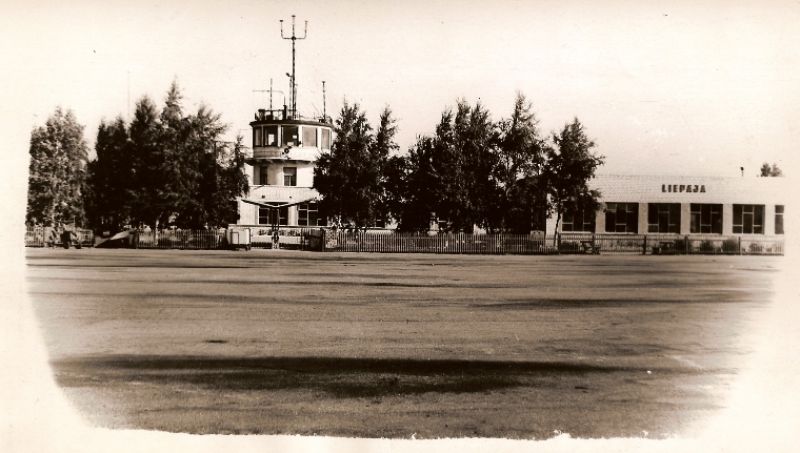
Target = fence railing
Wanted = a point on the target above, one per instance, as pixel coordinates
(39, 236)
(391, 241)
(292, 238)
(179, 239)
(539, 244)
(457, 243)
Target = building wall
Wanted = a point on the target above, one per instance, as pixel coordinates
(275, 173)
(686, 190)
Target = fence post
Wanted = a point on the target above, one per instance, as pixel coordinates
(644, 245)
(686, 244)
(739, 240)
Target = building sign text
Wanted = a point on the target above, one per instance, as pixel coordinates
(691, 188)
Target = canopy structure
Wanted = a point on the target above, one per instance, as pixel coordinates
(278, 205)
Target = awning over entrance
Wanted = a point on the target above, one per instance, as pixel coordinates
(278, 205)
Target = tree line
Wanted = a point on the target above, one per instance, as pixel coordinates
(164, 167)
(167, 167)
(498, 175)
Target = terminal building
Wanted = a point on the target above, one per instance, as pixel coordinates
(686, 205)
(285, 147)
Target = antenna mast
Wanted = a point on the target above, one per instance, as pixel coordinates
(324, 114)
(270, 91)
(294, 38)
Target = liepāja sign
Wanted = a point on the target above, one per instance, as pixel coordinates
(679, 188)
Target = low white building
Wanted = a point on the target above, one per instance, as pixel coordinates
(685, 205)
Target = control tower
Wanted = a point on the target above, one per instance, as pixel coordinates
(285, 147)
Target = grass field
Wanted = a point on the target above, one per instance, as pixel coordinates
(374, 345)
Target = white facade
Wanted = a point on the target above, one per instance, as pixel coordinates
(281, 170)
(684, 205)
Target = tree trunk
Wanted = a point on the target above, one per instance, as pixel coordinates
(555, 231)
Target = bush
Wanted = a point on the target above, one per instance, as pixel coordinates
(681, 246)
(755, 247)
(707, 247)
(730, 245)
(569, 247)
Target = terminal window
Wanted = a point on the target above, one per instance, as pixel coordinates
(578, 220)
(664, 218)
(748, 218)
(622, 217)
(308, 214)
(272, 216)
(706, 218)
(779, 219)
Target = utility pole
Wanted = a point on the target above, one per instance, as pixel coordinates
(294, 38)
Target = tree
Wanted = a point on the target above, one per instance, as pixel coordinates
(570, 165)
(767, 171)
(477, 139)
(57, 171)
(418, 185)
(520, 162)
(452, 175)
(166, 168)
(230, 183)
(387, 171)
(350, 178)
(109, 179)
(395, 179)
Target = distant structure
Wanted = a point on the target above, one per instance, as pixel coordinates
(281, 168)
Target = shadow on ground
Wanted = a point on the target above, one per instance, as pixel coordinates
(338, 377)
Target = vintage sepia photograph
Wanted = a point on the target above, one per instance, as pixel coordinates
(391, 226)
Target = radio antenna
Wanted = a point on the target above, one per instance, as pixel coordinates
(294, 38)
(270, 91)
(324, 113)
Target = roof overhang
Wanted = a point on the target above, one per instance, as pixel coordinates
(278, 205)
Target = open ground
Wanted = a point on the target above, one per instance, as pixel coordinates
(374, 345)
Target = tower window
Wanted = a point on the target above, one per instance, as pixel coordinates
(271, 136)
(289, 176)
(326, 138)
(256, 136)
(310, 136)
(290, 136)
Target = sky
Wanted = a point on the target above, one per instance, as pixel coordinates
(689, 88)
